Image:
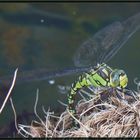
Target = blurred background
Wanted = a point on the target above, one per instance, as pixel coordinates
(37, 36)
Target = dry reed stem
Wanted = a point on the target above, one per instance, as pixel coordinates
(112, 113)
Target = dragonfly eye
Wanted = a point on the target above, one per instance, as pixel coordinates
(121, 72)
(114, 78)
(118, 78)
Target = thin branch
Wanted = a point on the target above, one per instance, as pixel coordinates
(9, 92)
(35, 106)
(16, 125)
(86, 128)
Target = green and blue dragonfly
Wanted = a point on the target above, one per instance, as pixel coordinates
(91, 57)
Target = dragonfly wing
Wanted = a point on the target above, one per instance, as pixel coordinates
(41, 74)
(100, 48)
(105, 43)
(129, 26)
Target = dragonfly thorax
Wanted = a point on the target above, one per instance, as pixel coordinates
(105, 76)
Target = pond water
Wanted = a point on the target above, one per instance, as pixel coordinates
(46, 36)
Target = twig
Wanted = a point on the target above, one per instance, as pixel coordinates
(105, 104)
(78, 121)
(9, 92)
(16, 125)
(35, 106)
(62, 103)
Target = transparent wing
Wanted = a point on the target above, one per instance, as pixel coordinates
(41, 74)
(100, 48)
(105, 43)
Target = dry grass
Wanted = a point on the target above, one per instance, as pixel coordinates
(112, 113)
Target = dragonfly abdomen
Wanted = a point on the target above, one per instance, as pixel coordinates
(96, 78)
(76, 86)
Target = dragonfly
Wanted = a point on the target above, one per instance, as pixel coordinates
(98, 49)
(100, 75)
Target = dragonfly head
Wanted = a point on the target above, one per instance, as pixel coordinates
(118, 78)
